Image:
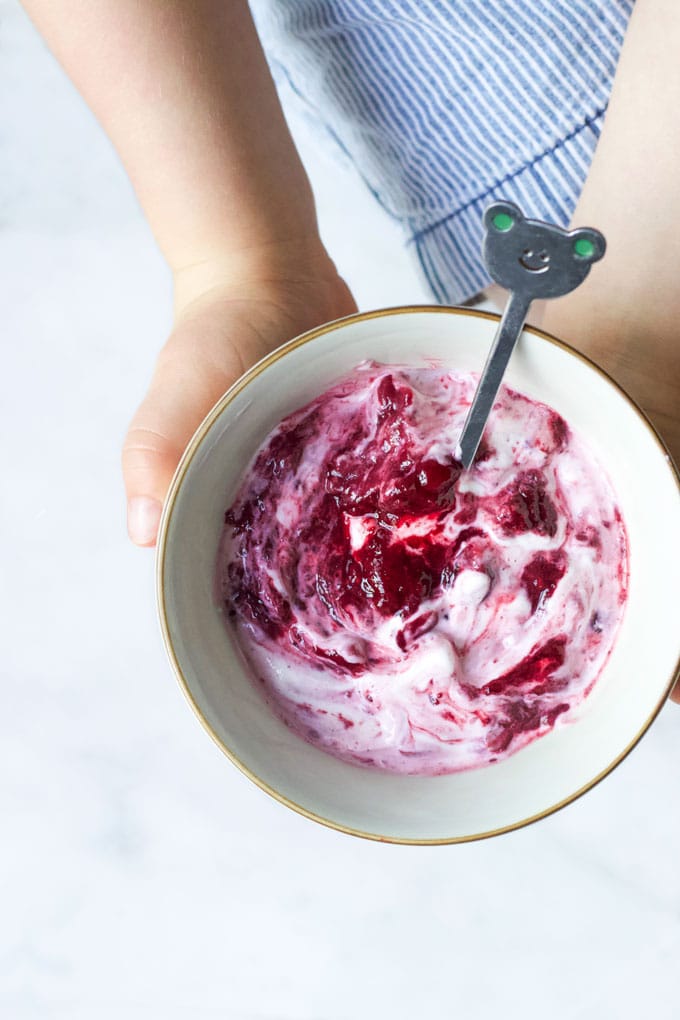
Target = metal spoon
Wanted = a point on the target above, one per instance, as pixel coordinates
(532, 260)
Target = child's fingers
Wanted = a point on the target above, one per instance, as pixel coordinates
(675, 696)
(153, 446)
(183, 390)
(148, 465)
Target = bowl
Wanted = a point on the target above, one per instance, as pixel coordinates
(540, 778)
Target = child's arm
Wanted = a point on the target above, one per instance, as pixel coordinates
(185, 94)
(626, 316)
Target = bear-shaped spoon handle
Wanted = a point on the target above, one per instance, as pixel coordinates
(532, 260)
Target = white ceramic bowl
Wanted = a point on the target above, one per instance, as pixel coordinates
(548, 773)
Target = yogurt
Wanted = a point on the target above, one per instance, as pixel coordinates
(404, 614)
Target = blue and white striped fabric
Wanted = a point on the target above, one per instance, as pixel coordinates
(446, 105)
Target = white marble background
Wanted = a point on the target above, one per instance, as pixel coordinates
(141, 875)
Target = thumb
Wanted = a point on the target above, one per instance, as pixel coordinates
(149, 461)
(181, 393)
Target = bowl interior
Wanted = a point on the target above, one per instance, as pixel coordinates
(549, 771)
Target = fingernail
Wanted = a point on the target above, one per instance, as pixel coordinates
(143, 516)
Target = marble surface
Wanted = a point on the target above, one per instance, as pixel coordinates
(141, 874)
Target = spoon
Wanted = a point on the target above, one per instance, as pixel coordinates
(532, 260)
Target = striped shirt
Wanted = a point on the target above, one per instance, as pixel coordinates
(446, 105)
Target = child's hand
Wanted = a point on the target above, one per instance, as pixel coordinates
(186, 96)
(218, 333)
(626, 314)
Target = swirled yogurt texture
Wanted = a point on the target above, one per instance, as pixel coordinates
(401, 613)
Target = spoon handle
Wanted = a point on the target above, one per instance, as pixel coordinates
(507, 335)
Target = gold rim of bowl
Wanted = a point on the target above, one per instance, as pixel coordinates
(176, 484)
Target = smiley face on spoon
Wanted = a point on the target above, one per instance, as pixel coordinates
(535, 261)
